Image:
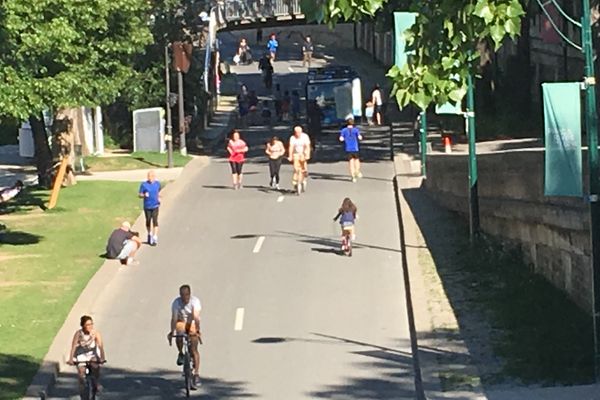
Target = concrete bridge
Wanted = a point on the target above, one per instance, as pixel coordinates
(248, 14)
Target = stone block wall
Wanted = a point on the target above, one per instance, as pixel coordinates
(552, 232)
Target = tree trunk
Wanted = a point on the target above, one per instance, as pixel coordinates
(43, 155)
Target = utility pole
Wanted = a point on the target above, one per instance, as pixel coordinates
(424, 143)
(591, 125)
(473, 193)
(182, 146)
(169, 135)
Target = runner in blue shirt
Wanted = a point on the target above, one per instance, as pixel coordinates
(150, 192)
(272, 46)
(350, 136)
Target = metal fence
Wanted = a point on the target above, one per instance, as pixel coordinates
(256, 9)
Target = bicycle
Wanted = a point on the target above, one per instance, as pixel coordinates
(347, 241)
(90, 386)
(188, 364)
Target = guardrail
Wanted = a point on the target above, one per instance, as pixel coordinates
(256, 9)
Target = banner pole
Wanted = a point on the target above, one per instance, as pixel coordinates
(473, 192)
(424, 143)
(591, 124)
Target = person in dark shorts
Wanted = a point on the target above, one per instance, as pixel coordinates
(275, 150)
(123, 244)
(150, 192)
(237, 149)
(350, 136)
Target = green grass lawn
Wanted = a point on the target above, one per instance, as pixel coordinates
(46, 259)
(137, 160)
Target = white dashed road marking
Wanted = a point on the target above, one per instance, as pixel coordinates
(239, 319)
(258, 244)
(280, 199)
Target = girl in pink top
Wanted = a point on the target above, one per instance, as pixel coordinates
(237, 149)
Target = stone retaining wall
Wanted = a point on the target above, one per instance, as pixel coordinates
(553, 232)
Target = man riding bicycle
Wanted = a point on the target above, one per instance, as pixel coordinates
(299, 154)
(185, 319)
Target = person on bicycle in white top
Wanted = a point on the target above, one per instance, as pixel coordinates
(87, 346)
(299, 154)
(185, 319)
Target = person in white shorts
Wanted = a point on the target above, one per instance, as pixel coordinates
(299, 154)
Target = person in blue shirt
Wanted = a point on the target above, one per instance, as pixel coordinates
(150, 192)
(350, 136)
(272, 45)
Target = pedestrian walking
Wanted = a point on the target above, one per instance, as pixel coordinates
(278, 100)
(237, 149)
(272, 46)
(266, 68)
(150, 192)
(350, 136)
(377, 101)
(314, 115)
(243, 105)
(295, 105)
(307, 51)
(275, 150)
(285, 106)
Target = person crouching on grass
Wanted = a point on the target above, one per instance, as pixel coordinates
(150, 192)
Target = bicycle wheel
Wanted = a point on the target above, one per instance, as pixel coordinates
(187, 375)
(88, 389)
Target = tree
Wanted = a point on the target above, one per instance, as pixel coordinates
(172, 20)
(61, 53)
(444, 43)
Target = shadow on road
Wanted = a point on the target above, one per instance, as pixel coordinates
(153, 384)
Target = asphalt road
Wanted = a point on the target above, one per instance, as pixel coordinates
(315, 324)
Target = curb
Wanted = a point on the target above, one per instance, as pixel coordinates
(54, 362)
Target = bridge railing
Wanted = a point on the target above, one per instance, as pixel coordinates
(236, 10)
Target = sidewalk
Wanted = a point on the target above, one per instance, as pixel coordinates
(448, 365)
(13, 167)
(135, 175)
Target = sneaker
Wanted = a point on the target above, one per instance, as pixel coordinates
(123, 261)
(353, 179)
(359, 174)
(180, 359)
(154, 240)
(277, 186)
(149, 240)
(196, 382)
(131, 261)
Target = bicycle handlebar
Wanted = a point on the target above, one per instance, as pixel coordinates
(89, 362)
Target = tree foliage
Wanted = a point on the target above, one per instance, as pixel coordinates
(56, 53)
(444, 44)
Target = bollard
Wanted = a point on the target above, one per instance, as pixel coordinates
(447, 144)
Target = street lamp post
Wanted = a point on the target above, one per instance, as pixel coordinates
(182, 144)
(169, 135)
(591, 124)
